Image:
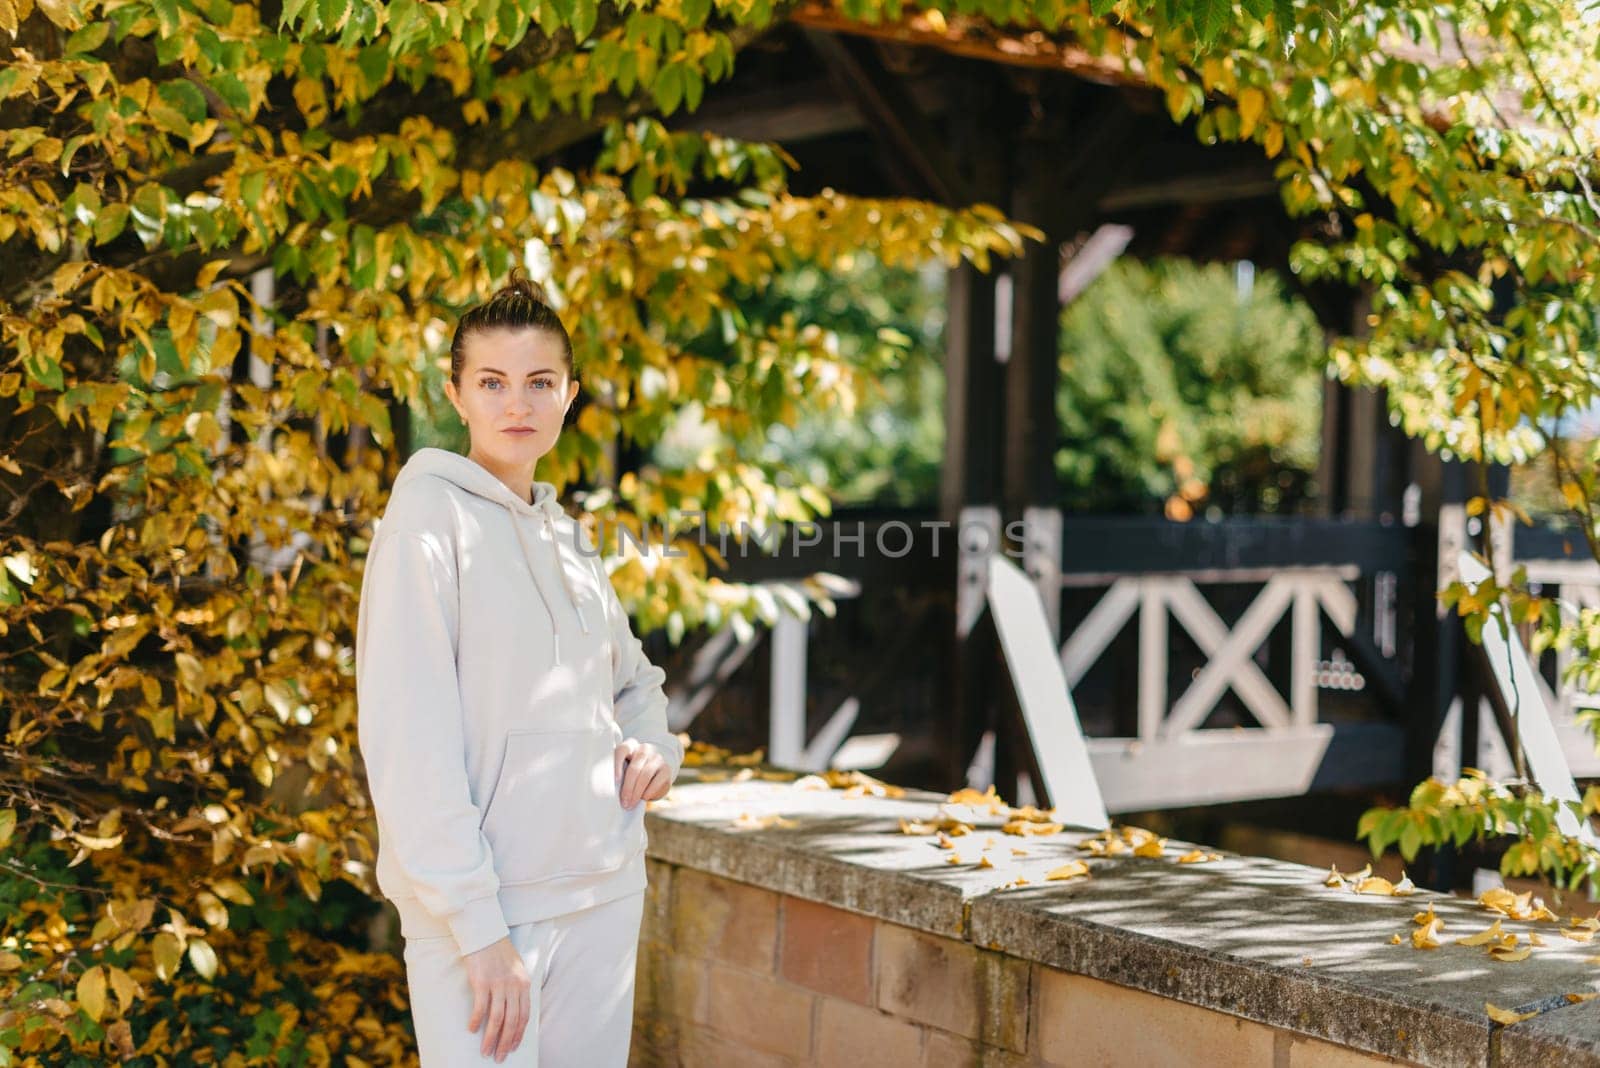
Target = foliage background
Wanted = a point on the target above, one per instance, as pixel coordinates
(178, 772)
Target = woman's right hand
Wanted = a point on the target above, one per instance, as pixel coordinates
(501, 997)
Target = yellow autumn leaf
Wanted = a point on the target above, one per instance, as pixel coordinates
(1424, 917)
(1427, 936)
(1491, 934)
(985, 862)
(1033, 814)
(954, 858)
(1510, 956)
(125, 987)
(168, 953)
(1376, 885)
(1150, 848)
(1581, 934)
(212, 910)
(1029, 828)
(1200, 856)
(968, 796)
(203, 957)
(918, 827)
(745, 821)
(1534, 939)
(92, 992)
(232, 890)
(1574, 999)
(1395, 940)
(1072, 869)
(1507, 1016)
(92, 841)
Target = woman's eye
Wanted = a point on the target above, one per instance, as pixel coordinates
(487, 382)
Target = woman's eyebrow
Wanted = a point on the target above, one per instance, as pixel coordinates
(497, 371)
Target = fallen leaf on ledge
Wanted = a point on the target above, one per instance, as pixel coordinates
(985, 862)
(1506, 1016)
(1427, 936)
(1072, 869)
(1395, 940)
(1200, 856)
(1575, 998)
(1337, 878)
(1031, 828)
(746, 822)
(1150, 848)
(1582, 934)
(1534, 938)
(1510, 956)
(1424, 917)
(988, 799)
(1376, 885)
(1491, 934)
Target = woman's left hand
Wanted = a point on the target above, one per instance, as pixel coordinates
(646, 778)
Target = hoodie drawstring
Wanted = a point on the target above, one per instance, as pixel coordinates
(544, 595)
(566, 583)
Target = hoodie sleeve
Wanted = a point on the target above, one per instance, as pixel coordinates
(410, 730)
(639, 700)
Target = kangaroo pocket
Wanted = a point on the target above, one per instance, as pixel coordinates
(554, 809)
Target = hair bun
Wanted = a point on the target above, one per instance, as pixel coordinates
(520, 285)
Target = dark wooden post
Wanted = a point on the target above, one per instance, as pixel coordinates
(974, 407)
(1437, 645)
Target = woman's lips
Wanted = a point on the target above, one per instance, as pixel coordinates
(518, 432)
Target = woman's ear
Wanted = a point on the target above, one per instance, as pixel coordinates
(572, 395)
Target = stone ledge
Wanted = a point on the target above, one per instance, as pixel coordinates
(1259, 939)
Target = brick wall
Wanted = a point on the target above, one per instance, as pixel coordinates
(732, 974)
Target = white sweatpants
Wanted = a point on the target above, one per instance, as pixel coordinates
(582, 966)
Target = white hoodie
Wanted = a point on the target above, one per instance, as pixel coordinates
(496, 672)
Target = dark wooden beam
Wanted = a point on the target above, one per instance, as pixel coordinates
(794, 114)
(1246, 183)
(912, 148)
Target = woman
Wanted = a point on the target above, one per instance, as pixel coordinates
(511, 725)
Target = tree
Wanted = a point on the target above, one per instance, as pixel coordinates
(194, 195)
(179, 742)
(1179, 389)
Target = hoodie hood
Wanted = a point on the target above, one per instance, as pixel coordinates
(542, 511)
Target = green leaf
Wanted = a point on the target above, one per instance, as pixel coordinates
(584, 15)
(109, 222)
(88, 39)
(668, 88)
(185, 97)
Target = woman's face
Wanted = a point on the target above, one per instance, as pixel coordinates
(514, 393)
